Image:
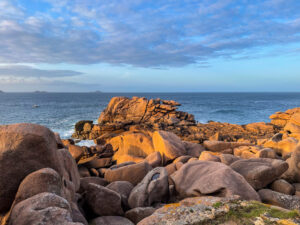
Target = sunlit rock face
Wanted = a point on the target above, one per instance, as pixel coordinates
(124, 114)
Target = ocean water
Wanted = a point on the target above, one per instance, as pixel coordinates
(60, 111)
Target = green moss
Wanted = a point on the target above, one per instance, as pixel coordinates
(246, 214)
(217, 205)
(283, 215)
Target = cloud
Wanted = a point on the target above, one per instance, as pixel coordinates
(19, 84)
(143, 33)
(27, 71)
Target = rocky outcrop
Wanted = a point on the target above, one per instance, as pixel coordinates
(280, 119)
(124, 114)
(148, 154)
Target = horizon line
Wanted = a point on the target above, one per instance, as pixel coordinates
(139, 92)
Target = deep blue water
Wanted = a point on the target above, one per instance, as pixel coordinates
(60, 111)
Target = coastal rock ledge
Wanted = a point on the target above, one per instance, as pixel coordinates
(151, 164)
(123, 114)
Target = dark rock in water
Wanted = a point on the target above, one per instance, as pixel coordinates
(83, 126)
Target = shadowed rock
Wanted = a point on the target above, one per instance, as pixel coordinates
(211, 178)
(153, 188)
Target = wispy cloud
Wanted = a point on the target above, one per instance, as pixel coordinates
(143, 33)
(27, 71)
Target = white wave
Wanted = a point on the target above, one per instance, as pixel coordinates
(64, 134)
(87, 143)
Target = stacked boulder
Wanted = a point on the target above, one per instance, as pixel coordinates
(38, 180)
(125, 114)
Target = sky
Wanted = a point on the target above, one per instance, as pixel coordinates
(150, 46)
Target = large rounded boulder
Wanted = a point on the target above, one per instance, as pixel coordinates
(24, 148)
(200, 178)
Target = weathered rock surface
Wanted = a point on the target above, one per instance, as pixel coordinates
(248, 152)
(84, 182)
(136, 144)
(111, 220)
(282, 147)
(220, 146)
(260, 172)
(293, 172)
(137, 214)
(153, 188)
(24, 148)
(281, 118)
(211, 178)
(155, 114)
(283, 186)
(44, 208)
(209, 156)
(133, 173)
(123, 188)
(169, 145)
(43, 180)
(279, 199)
(103, 201)
(154, 159)
(214, 210)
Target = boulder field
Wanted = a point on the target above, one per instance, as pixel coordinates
(151, 164)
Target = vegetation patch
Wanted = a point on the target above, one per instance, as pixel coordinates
(246, 214)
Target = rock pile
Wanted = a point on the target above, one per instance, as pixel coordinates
(124, 114)
(38, 181)
(142, 171)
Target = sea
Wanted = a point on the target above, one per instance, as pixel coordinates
(60, 111)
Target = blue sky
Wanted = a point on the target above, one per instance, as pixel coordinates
(145, 46)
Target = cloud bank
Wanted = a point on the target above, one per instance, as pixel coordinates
(27, 71)
(142, 33)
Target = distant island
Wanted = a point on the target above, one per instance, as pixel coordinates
(37, 92)
(1, 92)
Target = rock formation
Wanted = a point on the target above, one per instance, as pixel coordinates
(152, 164)
(123, 114)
